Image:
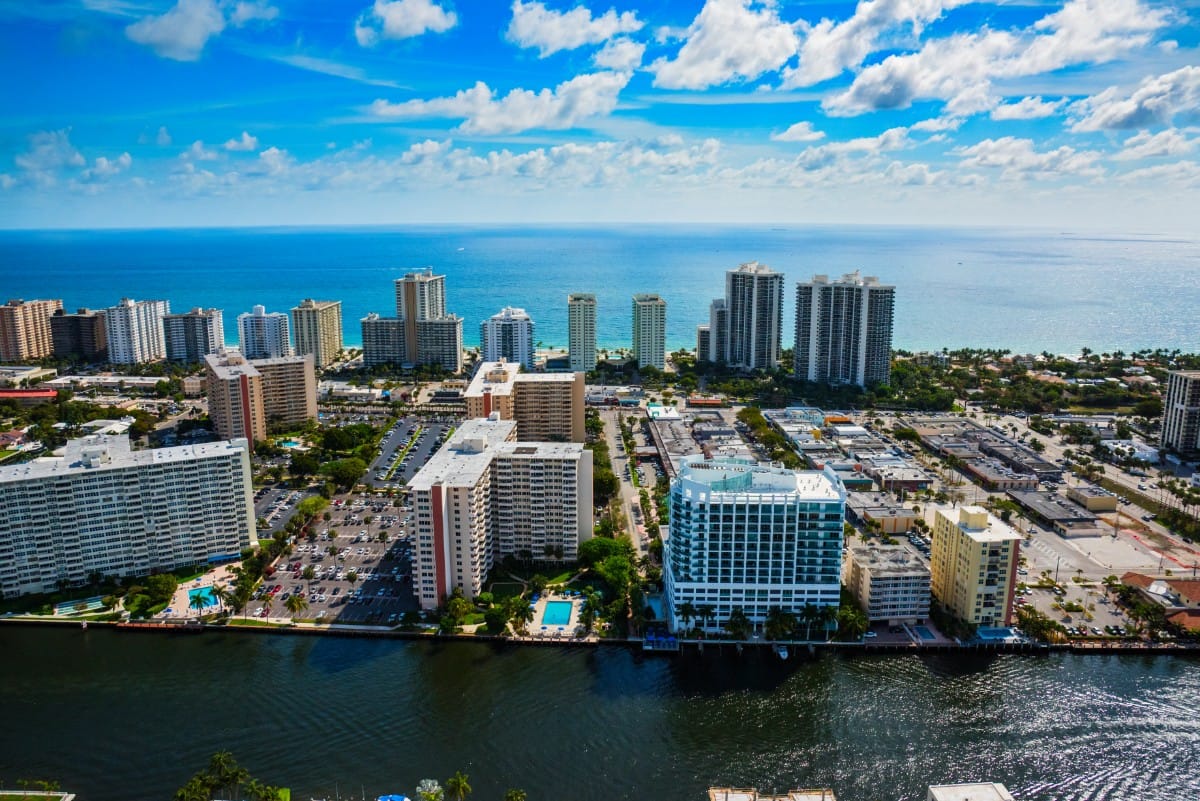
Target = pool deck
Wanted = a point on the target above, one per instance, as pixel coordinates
(539, 613)
(181, 602)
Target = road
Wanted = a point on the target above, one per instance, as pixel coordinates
(622, 464)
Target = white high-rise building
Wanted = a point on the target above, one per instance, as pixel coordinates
(753, 316)
(844, 330)
(581, 331)
(750, 536)
(264, 336)
(508, 335)
(193, 335)
(134, 330)
(104, 508)
(485, 496)
(650, 331)
(1181, 413)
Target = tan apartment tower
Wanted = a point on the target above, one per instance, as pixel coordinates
(317, 328)
(253, 398)
(548, 407)
(974, 565)
(650, 331)
(25, 329)
(581, 331)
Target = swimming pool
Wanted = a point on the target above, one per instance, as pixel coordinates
(924, 633)
(289, 443)
(202, 592)
(558, 613)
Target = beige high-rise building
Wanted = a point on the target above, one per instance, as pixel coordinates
(420, 296)
(650, 331)
(974, 565)
(317, 328)
(251, 399)
(581, 331)
(485, 496)
(548, 407)
(25, 329)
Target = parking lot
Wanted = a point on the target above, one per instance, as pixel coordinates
(276, 504)
(405, 449)
(361, 566)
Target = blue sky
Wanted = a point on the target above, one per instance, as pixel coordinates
(135, 113)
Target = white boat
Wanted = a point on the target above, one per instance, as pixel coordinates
(781, 651)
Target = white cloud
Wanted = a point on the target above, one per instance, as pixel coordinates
(274, 161)
(799, 132)
(105, 168)
(1157, 101)
(181, 32)
(1027, 108)
(49, 152)
(565, 106)
(1180, 173)
(245, 12)
(244, 144)
(534, 25)
(198, 152)
(7, 181)
(621, 54)
(937, 124)
(831, 47)
(959, 68)
(1144, 145)
(729, 40)
(1017, 158)
(163, 137)
(401, 19)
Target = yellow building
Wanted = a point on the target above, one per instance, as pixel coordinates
(25, 329)
(317, 329)
(974, 565)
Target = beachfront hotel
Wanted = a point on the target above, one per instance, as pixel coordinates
(317, 328)
(262, 335)
(508, 334)
(974, 564)
(192, 335)
(649, 331)
(547, 407)
(844, 330)
(249, 398)
(752, 536)
(581, 331)
(1181, 413)
(102, 507)
(134, 331)
(25, 329)
(485, 496)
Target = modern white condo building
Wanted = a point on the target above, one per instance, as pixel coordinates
(751, 536)
(104, 508)
(581, 331)
(844, 330)
(1181, 413)
(485, 496)
(753, 317)
(508, 335)
(134, 329)
(264, 336)
(650, 331)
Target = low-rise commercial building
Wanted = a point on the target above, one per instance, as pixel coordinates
(892, 517)
(485, 496)
(1094, 499)
(890, 582)
(974, 565)
(1050, 509)
(102, 507)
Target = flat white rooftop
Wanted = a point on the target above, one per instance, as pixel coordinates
(981, 791)
(100, 452)
(466, 455)
(733, 477)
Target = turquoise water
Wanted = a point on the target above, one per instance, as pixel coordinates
(1026, 290)
(558, 613)
(289, 443)
(202, 592)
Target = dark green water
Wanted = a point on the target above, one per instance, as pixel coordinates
(118, 717)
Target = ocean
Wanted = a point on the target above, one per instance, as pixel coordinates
(956, 287)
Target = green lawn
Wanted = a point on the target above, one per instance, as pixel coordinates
(503, 590)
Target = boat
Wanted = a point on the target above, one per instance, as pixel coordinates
(781, 651)
(83, 625)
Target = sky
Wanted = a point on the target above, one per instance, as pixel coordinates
(181, 113)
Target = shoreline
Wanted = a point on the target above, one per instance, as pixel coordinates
(687, 647)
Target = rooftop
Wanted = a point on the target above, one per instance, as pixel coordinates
(976, 523)
(889, 560)
(981, 791)
(466, 455)
(732, 477)
(101, 452)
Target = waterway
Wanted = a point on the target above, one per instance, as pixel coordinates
(121, 716)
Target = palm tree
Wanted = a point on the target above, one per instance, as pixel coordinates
(266, 602)
(198, 602)
(738, 625)
(685, 612)
(457, 788)
(296, 604)
(593, 602)
(514, 794)
(780, 624)
(707, 612)
(809, 615)
(520, 613)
